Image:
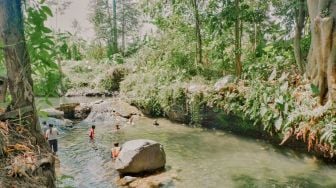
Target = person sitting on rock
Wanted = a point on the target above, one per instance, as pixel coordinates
(92, 132)
(115, 151)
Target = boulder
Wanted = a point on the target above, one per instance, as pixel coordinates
(52, 112)
(223, 83)
(141, 155)
(68, 109)
(110, 110)
(82, 111)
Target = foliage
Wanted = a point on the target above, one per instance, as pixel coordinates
(103, 21)
(69, 47)
(111, 80)
(41, 43)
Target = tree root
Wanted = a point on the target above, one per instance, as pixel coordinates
(26, 165)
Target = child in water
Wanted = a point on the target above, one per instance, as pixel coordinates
(92, 132)
(115, 151)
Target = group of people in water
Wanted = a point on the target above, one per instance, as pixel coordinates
(115, 150)
(51, 133)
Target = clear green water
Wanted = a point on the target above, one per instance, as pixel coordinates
(200, 158)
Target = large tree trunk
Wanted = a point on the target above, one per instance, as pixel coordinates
(115, 32)
(110, 22)
(18, 62)
(238, 32)
(321, 67)
(198, 33)
(123, 47)
(300, 19)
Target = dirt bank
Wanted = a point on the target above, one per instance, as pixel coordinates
(23, 161)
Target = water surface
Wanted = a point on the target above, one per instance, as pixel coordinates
(200, 158)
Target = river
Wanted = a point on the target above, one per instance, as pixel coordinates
(200, 158)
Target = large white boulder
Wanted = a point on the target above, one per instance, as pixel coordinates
(141, 155)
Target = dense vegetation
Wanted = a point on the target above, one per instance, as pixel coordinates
(265, 53)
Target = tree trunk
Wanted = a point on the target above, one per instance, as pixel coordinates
(237, 32)
(198, 33)
(123, 48)
(17, 62)
(300, 19)
(115, 32)
(110, 22)
(321, 68)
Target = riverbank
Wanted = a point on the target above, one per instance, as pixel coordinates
(24, 161)
(282, 108)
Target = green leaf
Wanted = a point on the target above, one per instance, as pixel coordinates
(284, 87)
(47, 10)
(314, 89)
(273, 75)
(278, 123)
(263, 111)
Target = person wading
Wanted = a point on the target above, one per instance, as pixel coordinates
(92, 132)
(115, 151)
(51, 136)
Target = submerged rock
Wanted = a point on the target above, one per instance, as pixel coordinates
(141, 155)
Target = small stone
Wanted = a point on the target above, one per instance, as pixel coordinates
(129, 179)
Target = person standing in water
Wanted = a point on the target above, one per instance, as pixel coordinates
(115, 151)
(92, 132)
(51, 136)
